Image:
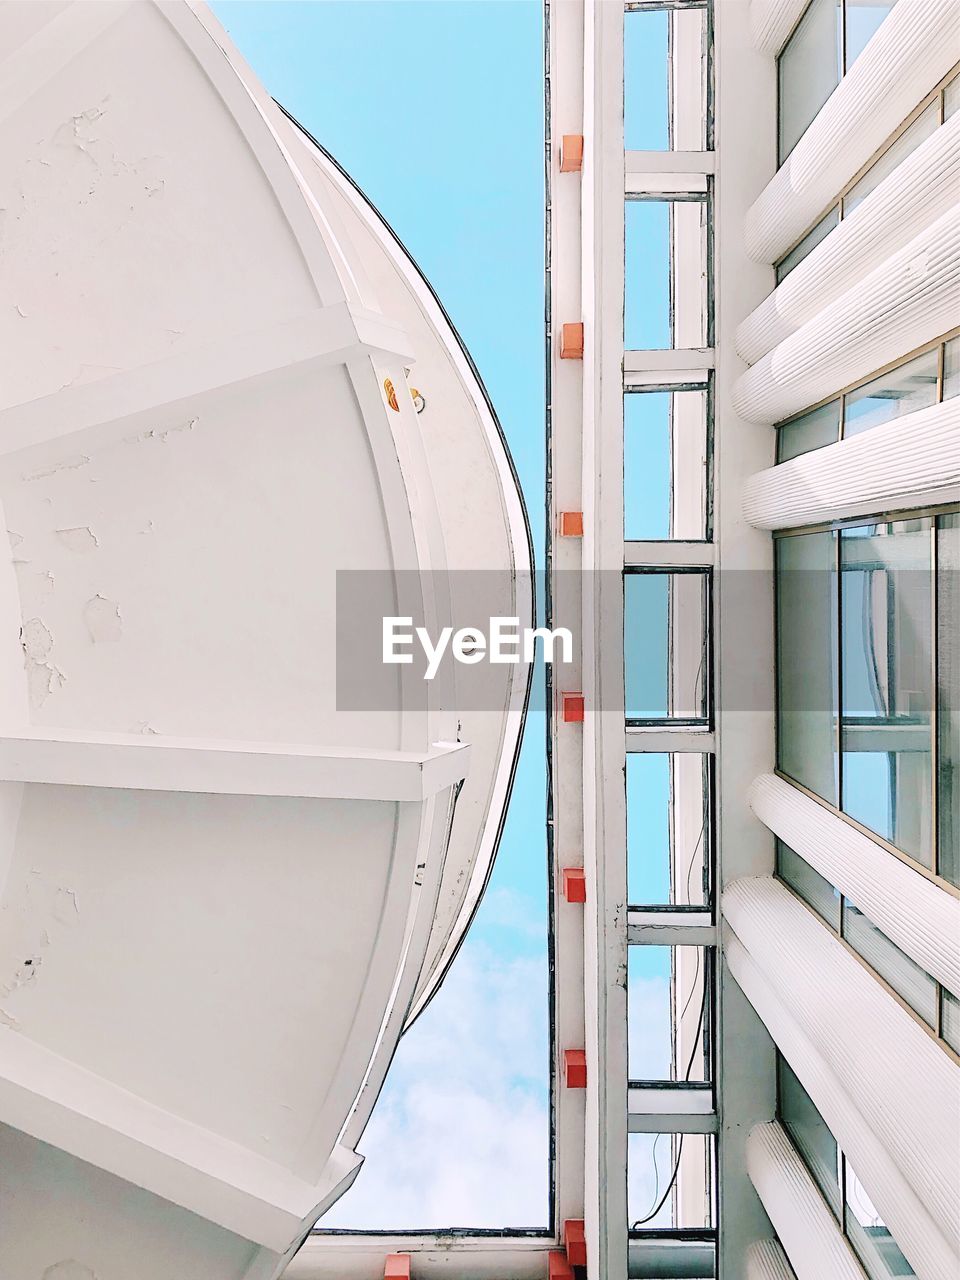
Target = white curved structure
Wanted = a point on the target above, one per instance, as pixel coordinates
(913, 461)
(910, 52)
(227, 879)
(871, 1049)
(912, 197)
(798, 1212)
(920, 917)
(908, 300)
(771, 21)
(767, 1261)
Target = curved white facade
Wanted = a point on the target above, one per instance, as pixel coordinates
(911, 51)
(767, 1261)
(225, 883)
(907, 301)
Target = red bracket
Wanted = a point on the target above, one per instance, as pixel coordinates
(575, 1241)
(574, 884)
(575, 1068)
(571, 153)
(571, 524)
(559, 1267)
(571, 341)
(397, 1267)
(571, 705)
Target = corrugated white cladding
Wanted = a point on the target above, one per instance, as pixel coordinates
(932, 1252)
(913, 461)
(912, 197)
(904, 303)
(800, 1215)
(910, 53)
(904, 1085)
(771, 21)
(767, 1261)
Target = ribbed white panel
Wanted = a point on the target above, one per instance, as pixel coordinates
(921, 918)
(800, 1216)
(913, 461)
(910, 52)
(903, 1084)
(771, 21)
(907, 1217)
(767, 1261)
(915, 195)
(906, 301)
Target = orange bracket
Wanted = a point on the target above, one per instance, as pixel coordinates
(575, 1241)
(571, 341)
(571, 153)
(574, 884)
(559, 1267)
(571, 524)
(575, 1068)
(571, 705)
(397, 1267)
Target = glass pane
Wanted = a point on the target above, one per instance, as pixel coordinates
(668, 1014)
(806, 881)
(887, 674)
(664, 640)
(808, 70)
(951, 368)
(670, 1180)
(909, 140)
(668, 833)
(808, 244)
(863, 18)
(951, 97)
(948, 694)
(909, 981)
(665, 465)
(688, 229)
(867, 1232)
(646, 81)
(646, 323)
(810, 1135)
(664, 80)
(812, 431)
(807, 661)
(909, 387)
(950, 1019)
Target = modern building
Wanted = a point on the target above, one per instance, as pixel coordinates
(753, 368)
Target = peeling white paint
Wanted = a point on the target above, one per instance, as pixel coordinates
(162, 434)
(36, 640)
(69, 1269)
(72, 463)
(80, 539)
(102, 619)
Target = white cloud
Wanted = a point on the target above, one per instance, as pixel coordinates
(460, 1134)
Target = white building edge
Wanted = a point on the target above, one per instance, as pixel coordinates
(224, 891)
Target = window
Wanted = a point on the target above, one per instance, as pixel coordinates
(860, 22)
(665, 286)
(807, 661)
(665, 643)
(665, 79)
(843, 1191)
(809, 69)
(665, 465)
(670, 1181)
(912, 984)
(914, 384)
(668, 1014)
(856, 632)
(668, 829)
(939, 108)
(809, 1133)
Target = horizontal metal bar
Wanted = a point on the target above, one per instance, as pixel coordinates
(453, 1257)
(649, 184)
(669, 553)
(670, 928)
(679, 362)
(684, 1109)
(669, 738)
(671, 1260)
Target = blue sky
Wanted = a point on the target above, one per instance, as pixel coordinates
(460, 1135)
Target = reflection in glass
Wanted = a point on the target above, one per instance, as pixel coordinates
(810, 1135)
(886, 678)
(951, 98)
(665, 465)
(665, 645)
(667, 1014)
(667, 828)
(895, 154)
(948, 695)
(811, 431)
(811, 886)
(909, 387)
(950, 1019)
(670, 1181)
(909, 981)
(807, 661)
(808, 243)
(951, 368)
(862, 20)
(809, 69)
(868, 1234)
